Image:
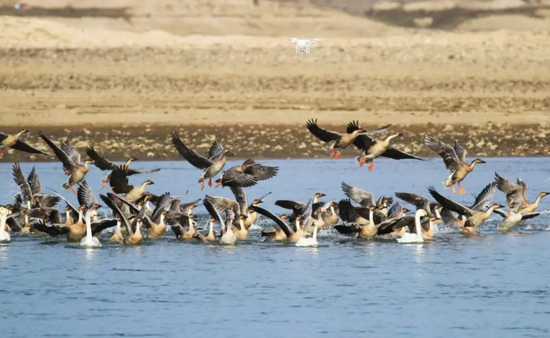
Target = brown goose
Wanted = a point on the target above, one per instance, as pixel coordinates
(289, 234)
(334, 140)
(257, 171)
(31, 189)
(211, 165)
(13, 141)
(516, 195)
(120, 185)
(70, 158)
(454, 159)
(372, 148)
(105, 165)
(475, 215)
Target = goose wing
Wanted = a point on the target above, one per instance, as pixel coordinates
(240, 197)
(68, 163)
(261, 172)
(73, 209)
(23, 146)
(347, 211)
(109, 200)
(460, 152)
(322, 134)
(216, 150)
(282, 224)
(419, 201)
(185, 207)
(223, 203)
(362, 142)
(118, 180)
(395, 210)
(524, 188)
(99, 161)
(397, 154)
(192, 157)
(53, 230)
(71, 151)
(513, 192)
(34, 182)
(485, 197)
(347, 229)
(44, 200)
(296, 207)
(99, 226)
(450, 204)
(365, 198)
(130, 172)
(530, 215)
(162, 204)
(21, 181)
(389, 225)
(85, 195)
(448, 153)
(213, 212)
(238, 178)
(499, 212)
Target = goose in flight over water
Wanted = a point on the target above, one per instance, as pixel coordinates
(516, 195)
(70, 157)
(372, 148)
(211, 165)
(454, 159)
(13, 141)
(334, 140)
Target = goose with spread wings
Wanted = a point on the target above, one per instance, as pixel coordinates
(13, 141)
(105, 165)
(454, 159)
(31, 189)
(211, 165)
(70, 157)
(516, 195)
(366, 199)
(372, 148)
(334, 140)
(246, 174)
(476, 214)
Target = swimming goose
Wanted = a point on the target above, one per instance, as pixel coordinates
(214, 217)
(309, 241)
(105, 165)
(516, 195)
(372, 148)
(333, 217)
(89, 240)
(368, 230)
(13, 141)
(4, 236)
(75, 232)
(156, 230)
(334, 140)
(239, 228)
(110, 201)
(31, 189)
(290, 234)
(512, 218)
(272, 234)
(69, 156)
(134, 237)
(415, 236)
(478, 213)
(228, 237)
(211, 165)
(454, 159)
(448, 218)
(179, 228)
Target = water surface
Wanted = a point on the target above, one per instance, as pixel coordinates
(493, 285)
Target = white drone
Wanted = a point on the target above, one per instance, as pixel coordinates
(302, 45)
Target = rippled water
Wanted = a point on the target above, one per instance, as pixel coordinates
(492, 285)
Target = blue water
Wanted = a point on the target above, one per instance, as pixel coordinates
(493, 285)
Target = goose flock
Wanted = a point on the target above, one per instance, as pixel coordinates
(138, 214)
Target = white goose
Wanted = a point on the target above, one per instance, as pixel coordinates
(417, 237)
(309, 241)
(4, 236)
(228, 236)
(89, 240)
